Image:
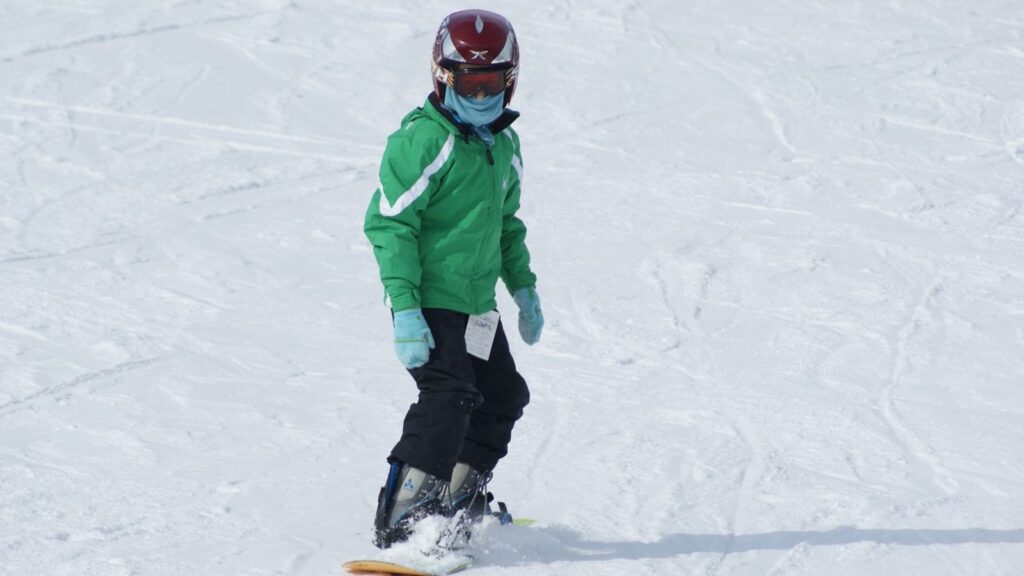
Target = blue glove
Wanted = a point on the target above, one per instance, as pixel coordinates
(413, 339)
(531, 319)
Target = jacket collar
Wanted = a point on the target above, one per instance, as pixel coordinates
(504, 121)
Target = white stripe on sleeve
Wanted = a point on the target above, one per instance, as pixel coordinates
(417, 189)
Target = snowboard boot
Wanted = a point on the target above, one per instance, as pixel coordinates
(468, 491)
(409, 494)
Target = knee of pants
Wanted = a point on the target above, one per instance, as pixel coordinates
(523, 395)
(515, 397)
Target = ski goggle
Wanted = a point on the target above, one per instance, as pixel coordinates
(468, 82)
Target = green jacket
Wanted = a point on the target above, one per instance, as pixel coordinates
(443, 218)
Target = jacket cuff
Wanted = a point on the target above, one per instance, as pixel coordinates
(406, 301)
(527, 280)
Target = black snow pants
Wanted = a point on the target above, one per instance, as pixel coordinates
(466, 407)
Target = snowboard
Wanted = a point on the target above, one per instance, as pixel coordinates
(378, 568)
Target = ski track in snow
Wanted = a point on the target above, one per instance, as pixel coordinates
(69, 387)
(915, 448)
(779, 248)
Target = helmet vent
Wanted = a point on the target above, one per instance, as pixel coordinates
(479, 24)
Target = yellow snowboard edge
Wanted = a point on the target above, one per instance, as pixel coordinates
(378, 568)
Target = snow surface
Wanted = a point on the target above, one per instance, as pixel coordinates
(780, 249)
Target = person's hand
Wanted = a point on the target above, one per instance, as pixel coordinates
(413, 340)
(531, 319)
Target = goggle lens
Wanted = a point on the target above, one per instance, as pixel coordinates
(469, 83)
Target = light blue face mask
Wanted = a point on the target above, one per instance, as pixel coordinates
(477, 113)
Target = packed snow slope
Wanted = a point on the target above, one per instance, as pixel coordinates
(781, 256)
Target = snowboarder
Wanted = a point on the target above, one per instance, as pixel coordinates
(444, 229)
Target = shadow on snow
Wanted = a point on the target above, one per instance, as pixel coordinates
(571, 547)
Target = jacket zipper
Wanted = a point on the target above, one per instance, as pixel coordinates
(494, 190)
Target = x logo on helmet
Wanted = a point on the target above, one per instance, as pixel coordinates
(481, 54)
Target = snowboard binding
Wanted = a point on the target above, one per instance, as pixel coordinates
(410, 495)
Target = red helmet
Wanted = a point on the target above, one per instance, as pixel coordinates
(476, 50)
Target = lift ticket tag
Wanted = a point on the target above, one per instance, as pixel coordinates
(480, 334)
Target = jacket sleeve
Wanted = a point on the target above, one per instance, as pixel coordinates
(409, 174)
(515, 258)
